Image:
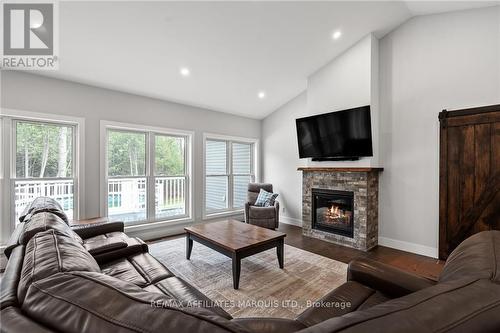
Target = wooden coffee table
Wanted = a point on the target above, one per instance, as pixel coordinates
(235, 239)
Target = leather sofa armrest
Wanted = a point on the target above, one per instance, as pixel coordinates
(104, 245)
(13, 240)
(269, 325)
(95, 229)
(386, 279)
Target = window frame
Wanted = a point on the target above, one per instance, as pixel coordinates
(254, 157)
(150, 176)
(14, 178)
(10, 117)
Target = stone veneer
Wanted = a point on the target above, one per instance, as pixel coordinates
(364, 184)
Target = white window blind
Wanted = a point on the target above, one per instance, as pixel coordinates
(242, 172)
(217, 176)
(229, 167)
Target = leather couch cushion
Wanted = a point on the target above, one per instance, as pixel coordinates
(374, 299)
(93, 302)
(150, 268)
(50, 252)
(13, 320)
(270, 325)
(186, 294)
(140, 269)
(45, 221)
(262, 212)
(104, 245)
(13, 240)
(10, 279)
(43, 204)
(133, 246)
(476, 257)
(346, 298)
(123, 270)
(457, 306)
(265, 223)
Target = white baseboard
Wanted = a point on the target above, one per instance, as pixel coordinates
(291, 220)
(424, 250)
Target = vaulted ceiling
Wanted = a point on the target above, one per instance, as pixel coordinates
(233, 50)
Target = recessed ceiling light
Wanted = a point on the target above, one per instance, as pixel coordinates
(261, 94)
(185, 71)
(336, 34)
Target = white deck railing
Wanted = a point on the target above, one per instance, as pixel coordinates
(126, 196)
(61, 190)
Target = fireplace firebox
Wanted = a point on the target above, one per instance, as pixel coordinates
(333, 211)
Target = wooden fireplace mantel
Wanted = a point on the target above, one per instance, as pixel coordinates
(336, 169)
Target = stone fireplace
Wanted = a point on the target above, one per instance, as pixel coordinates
(340, 205)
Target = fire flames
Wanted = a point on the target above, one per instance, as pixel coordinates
(337, 215)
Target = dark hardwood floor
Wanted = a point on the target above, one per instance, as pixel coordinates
(413, 263)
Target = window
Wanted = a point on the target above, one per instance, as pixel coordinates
(44, 164)
(40, 157)
(170, 176)
(148, 174)
(127, 175)
(229, 167)
(4, 215)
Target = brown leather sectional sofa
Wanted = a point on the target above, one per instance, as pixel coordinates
(97, 279)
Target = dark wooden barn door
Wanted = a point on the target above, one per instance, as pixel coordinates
(469, 174)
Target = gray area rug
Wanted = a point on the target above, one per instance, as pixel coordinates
(265, 289)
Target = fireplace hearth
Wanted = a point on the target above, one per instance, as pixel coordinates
(333, 211)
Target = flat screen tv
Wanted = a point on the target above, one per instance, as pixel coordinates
(340, 135)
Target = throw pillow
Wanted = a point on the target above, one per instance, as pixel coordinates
(265, 199)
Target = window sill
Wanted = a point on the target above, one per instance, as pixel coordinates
(222, 214)
(149, 225)
(158, 230)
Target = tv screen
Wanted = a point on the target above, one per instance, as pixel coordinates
(336, 135)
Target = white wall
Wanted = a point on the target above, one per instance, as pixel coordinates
(40, 94)
(427, 64)
(350, 80)
(430, 63)
(280, 156)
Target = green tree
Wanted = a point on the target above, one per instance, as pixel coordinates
(126, 153)
(43, 150)
(169, 155)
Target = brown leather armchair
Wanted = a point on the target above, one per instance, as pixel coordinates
(267, 217)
